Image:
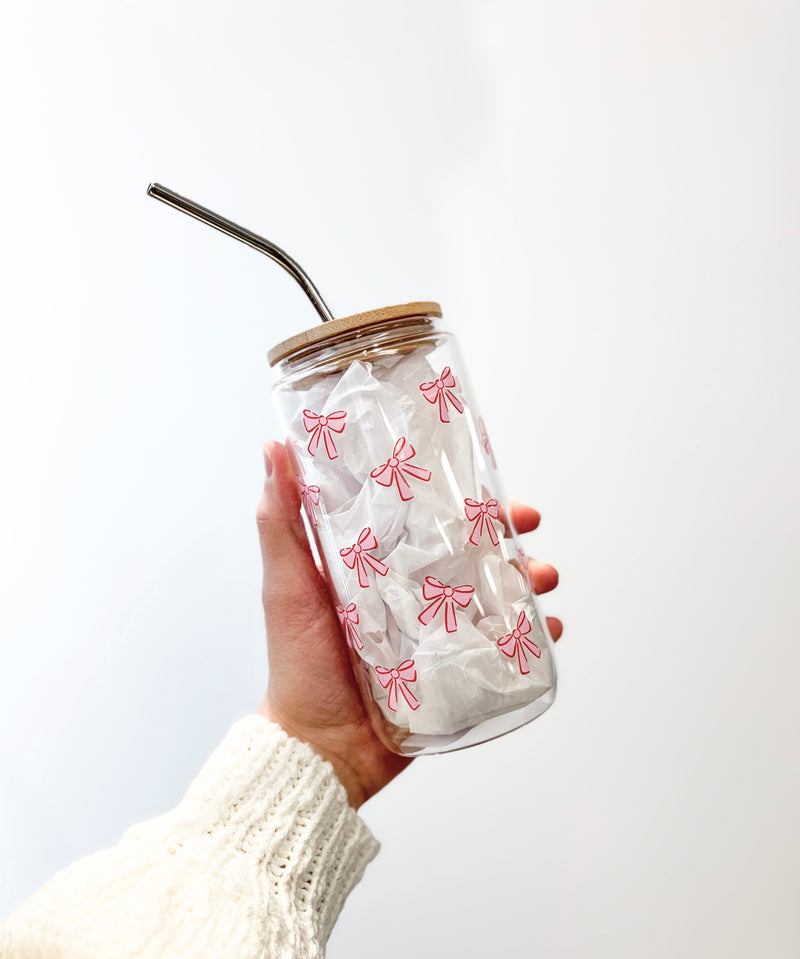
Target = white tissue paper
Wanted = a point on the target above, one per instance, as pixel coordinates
(398, 480)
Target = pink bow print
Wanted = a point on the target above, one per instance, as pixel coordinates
(348, 619)
(397, 678)
(447, 595)
(393, 469)
(516, 642)
(486, 444)
(310, 497)
(441, 390)
(320, 427)
(356, 556)
(480, 514)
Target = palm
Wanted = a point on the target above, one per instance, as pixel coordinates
(317, 699)
(312, 691)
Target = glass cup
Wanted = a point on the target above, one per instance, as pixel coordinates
(404, 502)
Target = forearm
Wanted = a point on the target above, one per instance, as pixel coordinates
(256, 861)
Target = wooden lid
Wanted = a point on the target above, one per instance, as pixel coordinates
(350, 324)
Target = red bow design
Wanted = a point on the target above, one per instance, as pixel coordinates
(348, 620)
(486, 444)
(310, 497)
(480, 514)
(447, 595)
(516, 642)
(320, 427)
(393, 469)
(441, 390)
(356, 556)
(394, 679)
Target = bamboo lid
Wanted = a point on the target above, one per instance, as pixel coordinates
(354, 324)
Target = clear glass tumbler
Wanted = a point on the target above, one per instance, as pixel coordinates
(403, 499)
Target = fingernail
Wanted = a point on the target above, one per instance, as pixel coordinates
(267, 460)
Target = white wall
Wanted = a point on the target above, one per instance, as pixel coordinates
(605, 198)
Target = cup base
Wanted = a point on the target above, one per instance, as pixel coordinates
(419, 744)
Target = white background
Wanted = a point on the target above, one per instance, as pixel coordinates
(605, 199)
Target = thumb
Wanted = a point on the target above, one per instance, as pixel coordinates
(293, 587)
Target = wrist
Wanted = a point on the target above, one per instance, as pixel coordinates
(357, 794)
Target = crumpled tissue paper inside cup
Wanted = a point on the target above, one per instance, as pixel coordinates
(462, 676)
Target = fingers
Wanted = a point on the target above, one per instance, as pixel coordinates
(555, 628)
(278, 513)
(290, 573)
(543, 576)
(524, 518)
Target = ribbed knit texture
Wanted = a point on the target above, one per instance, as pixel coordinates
(255, 862)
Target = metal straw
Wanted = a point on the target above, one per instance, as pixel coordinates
(245, 236)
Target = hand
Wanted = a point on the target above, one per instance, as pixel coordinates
(312, 692)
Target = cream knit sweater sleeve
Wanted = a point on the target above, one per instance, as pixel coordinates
(254, 863)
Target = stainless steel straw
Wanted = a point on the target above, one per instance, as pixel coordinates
(245, 236)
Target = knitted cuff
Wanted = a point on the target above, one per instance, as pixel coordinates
(268, 818)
